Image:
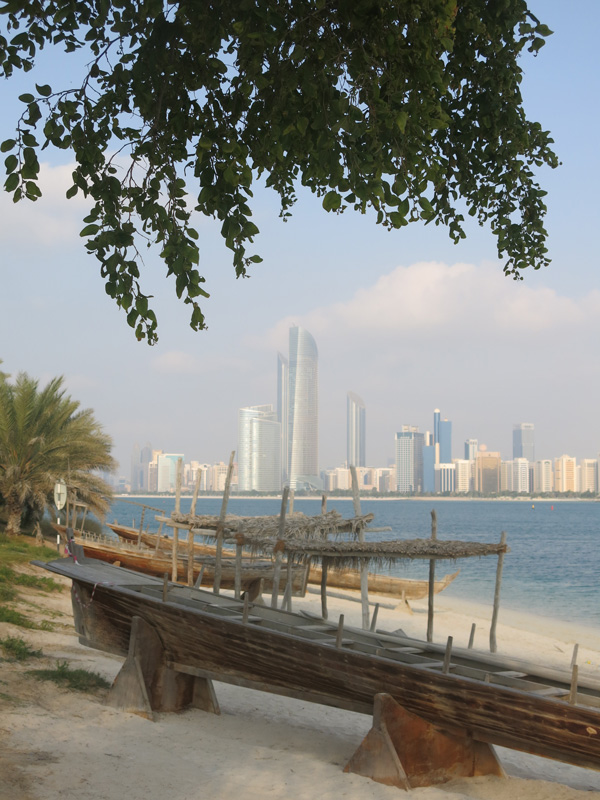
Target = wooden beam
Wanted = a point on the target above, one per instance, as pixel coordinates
(431, 587)
(221, 525)
(364, 566)
(178, 479)
(196, 491)
(496, 608)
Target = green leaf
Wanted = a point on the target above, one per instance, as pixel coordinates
(44, 90)
(332, 201)
(7, 145)
(401, 121)
(11, 163)
(11, 182)
(90, 230)
(26, 98)
(72, 192)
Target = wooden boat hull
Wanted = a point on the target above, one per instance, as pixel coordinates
(388, 586)
(158, 564)
(208, 637)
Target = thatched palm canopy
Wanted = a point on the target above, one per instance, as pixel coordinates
(349, 555)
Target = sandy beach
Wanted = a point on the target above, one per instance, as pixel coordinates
(60, 743)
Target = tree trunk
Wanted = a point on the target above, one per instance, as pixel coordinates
(13, 524)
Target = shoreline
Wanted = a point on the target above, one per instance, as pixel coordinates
(436, 499)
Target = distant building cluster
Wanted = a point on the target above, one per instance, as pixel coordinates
(279, 446)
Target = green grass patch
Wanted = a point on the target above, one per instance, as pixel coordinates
(17, 649)
(7, 593)
(81, 680)
(16, 551)
(15, 618)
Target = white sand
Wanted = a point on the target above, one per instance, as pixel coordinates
(56, 743)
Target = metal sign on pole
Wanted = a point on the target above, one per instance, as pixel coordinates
(60, 498)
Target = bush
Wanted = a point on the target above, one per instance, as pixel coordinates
(17, 649)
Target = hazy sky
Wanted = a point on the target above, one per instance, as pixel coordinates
(407, 320)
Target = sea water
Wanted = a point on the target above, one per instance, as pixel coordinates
(552, 569)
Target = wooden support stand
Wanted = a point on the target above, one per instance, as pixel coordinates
(145, 684)
(404, 750)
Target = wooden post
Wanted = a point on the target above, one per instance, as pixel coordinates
(175, 555)
(364, 566)
(190, 555)
(238, 572)
(246, 609)
(573, 692)
(196, 490)
(574, 656)
(493, 644)
(340, 632)
(472, 636)
(279, 548)
(198, 583)
(324, 565)
(324, 504)
(447, 656)
(277, 573)
(374, 617)
(221, 525)
(178, 477)
(158, 535)
(291, 509)
(431, 580)
(287, 600)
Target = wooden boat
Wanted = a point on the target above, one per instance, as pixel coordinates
(468, 698)
(386, 585)
(157, 563)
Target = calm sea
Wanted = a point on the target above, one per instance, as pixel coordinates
(553, 568)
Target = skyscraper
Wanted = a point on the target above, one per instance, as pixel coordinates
(471, 449)
(524, 441)
(167, 471)
(259, 449)
(442, 438)
(356, 416)
(303, 414)
(283, 412)
(409, 460)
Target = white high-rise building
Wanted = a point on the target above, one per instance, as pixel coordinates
(409, 460)
(167, 471)
(303, 415)
(589, 476)
(259, 449)
(543, 476)
(462, 475)
(520, 475)
(471, 449)
(524, 441)
(356, 433)
(565, 474)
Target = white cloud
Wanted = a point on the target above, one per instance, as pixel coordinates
(431, 299)
(49, 221)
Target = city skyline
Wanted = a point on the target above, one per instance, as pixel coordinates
(405, 319)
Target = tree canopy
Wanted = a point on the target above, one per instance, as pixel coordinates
(409, 108)
(45, 437)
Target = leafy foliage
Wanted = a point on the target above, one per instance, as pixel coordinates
(81, 680)
(44, 437)
(403, 107)
(14, 617)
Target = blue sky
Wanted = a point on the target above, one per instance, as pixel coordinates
(407, 320)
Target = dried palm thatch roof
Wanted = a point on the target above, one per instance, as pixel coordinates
(350, 555)
(297, 525)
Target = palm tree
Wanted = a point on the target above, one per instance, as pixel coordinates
(44, 437)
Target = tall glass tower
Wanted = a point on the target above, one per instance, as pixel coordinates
(524, 441)
(303, 413)
(283, 411)
(356, 433)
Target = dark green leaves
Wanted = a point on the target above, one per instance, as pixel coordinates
(399, 107)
